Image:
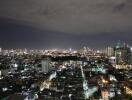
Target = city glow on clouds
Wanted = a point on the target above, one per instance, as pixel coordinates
(71, 16)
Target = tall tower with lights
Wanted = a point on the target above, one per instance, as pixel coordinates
(122, 54)
(46, 65)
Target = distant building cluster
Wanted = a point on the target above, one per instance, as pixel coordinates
(119, 55)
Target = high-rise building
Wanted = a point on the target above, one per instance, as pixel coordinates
(109, 51)
(46, 65)
(122, 54)
(131, 55)
(0, 51)
(0, 74)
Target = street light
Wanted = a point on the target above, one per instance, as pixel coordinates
(70, 96)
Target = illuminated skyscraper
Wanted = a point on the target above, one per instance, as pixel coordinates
(131, 55)
(0, 74)
(0, 51)
(109, 51)
(122, 54)
(45, 65)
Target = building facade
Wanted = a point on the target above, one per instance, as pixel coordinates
(46, 65)
(123, 54)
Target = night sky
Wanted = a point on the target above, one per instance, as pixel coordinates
(64, 24)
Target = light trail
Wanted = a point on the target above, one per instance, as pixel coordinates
(47, 83)
(87, 91)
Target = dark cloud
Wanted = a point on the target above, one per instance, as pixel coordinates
(64, 23)
(120, 6)
(73, 16)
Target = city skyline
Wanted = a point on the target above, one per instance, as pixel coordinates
(65, 50)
